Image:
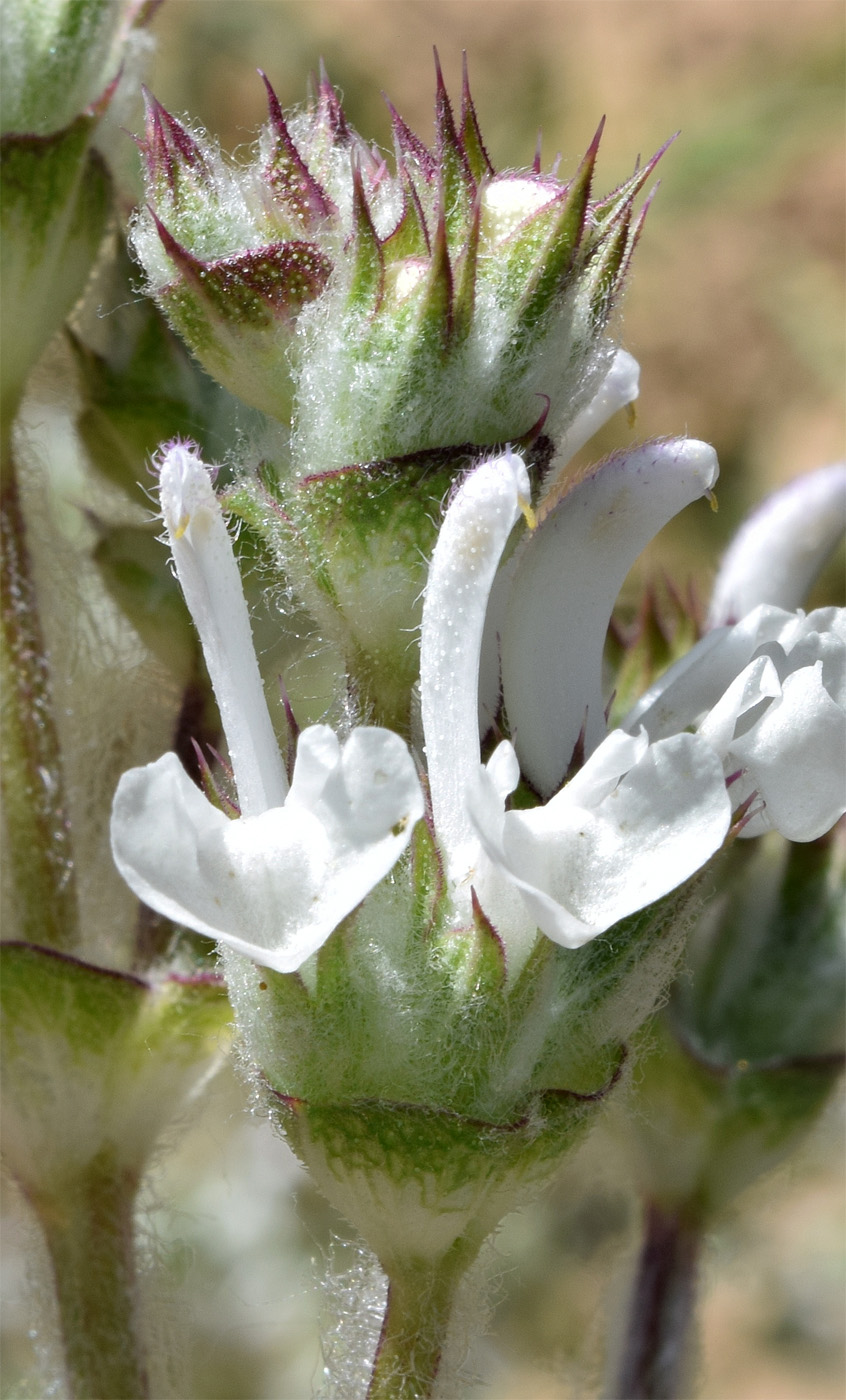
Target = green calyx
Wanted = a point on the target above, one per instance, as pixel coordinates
(414, 1180)
(404, 1005)
(736, 1069)
(96, 1061)
(56, 59)
(769, 965)
(698, 1133)
(355, 545)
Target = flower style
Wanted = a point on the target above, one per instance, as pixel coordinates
(276, 881)
(639, 818)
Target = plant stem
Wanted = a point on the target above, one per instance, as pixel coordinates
(417, 1315)
(661, 1311)
(90, 1238)
(40, 864)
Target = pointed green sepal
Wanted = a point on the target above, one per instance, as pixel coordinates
(464, 278)
(478, 160)
(237, 314)
(457, 185)
(299, 196)
(552, 240)
(177, 170)
(431, 896)
(368, 264)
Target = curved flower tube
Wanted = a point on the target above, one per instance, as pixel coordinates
(618, 389)
(635, 822)
(566, 576)
(779, 550)
(769, 696)
(275, 882)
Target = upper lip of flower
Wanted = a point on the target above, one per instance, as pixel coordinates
(274, 883)
(781, 547)
(639, 818)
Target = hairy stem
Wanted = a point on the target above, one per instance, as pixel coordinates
(661, 1311)
(417, 1316)
(40, 865)
(90, 1238)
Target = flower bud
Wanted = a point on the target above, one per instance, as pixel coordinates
(446, 300)
(60, 64)
(58, 57)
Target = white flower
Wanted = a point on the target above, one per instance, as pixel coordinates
(639, 818)
(769, 695)
(274, 883)
(778, 551)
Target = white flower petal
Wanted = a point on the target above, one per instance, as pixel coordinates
(620, 387)
(758, 682)
(208, 574)
(778, 552)
(317, 755)
(693, 686)
(272, 886)
(796, 758)
(160, 823)
(476, 527)
(581, 866)
(567, 577)
(604, 769)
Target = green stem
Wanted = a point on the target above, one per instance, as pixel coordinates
(91, 1242)
(661, 1312)
(40, 864)
(414, 1329)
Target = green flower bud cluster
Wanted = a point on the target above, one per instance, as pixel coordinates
(402, 321)
(423, 308)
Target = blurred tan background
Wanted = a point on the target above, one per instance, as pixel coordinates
(736, 313)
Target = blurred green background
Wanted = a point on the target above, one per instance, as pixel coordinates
(736, 314)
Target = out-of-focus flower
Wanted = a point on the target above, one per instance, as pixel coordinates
(779, 550)
(60, 63)
(59, 57)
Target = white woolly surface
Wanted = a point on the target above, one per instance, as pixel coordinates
(114, 704)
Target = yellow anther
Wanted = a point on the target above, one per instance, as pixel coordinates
(528, 514)
(713, 502)
(182, 526)
(631, 414)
